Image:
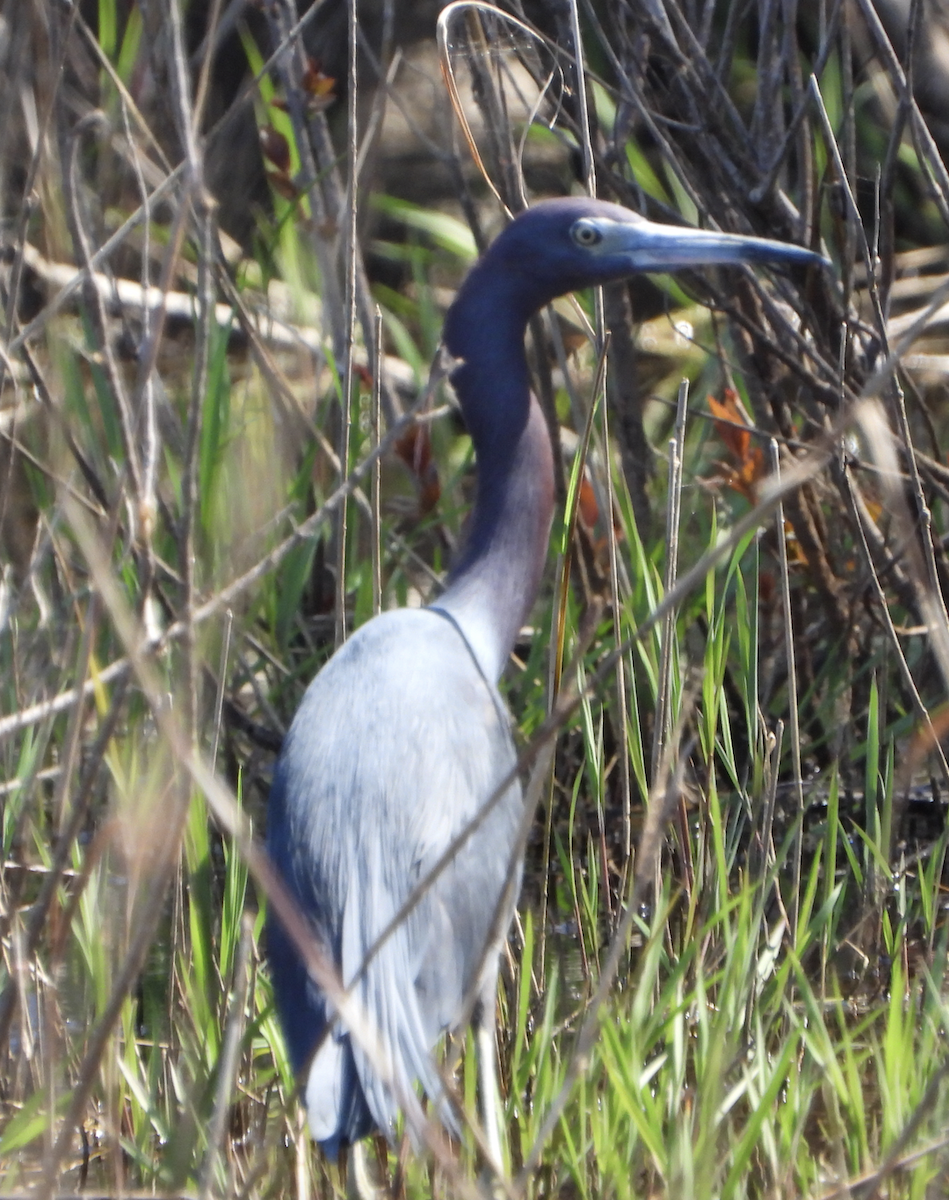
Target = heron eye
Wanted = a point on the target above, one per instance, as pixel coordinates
(585, 234)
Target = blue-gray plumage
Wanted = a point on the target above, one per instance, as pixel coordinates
(403, 737)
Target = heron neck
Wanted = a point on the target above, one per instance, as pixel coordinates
(494, 583)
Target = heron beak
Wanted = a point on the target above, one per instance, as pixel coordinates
(652, 247)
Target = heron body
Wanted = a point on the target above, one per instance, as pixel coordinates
(391, 799)
(402, 738)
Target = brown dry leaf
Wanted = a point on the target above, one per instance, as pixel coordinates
(315, 82)
(275, 148)
(589, 509)
(415, 449)
(734, 428)
(319, 88)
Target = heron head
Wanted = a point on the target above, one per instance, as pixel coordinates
(559, 246)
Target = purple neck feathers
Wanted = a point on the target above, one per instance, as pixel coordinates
(493, 585)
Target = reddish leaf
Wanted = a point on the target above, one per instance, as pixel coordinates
(589, 509)
(733, 427)
(315, 83)
(415, 449)
(319, 88)
(731, 423)
(275, 148)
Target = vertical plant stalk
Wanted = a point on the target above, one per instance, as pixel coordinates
(71, 751)
(148, 421)
(228, 1063)
(802, 132)
(196, 194)
(854, 231)
(773, 769)
(190, 498)
(583, 113)
(96, 304)
(622, 693)
(607, 508)
(571, 512)
(375, 486)
(589, 175)
(222, 676)
(673, 512)
(794, 724)
(346, 401)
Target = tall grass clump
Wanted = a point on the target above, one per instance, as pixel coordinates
(220, 450)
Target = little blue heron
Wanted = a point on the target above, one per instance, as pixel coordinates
(402, 737)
